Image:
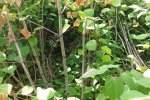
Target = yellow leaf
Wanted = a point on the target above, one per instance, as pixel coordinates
(74, 14)
(8, 1)
(146, 46)
(76, 22)
(26, 33)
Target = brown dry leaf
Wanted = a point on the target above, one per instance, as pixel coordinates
(74, 14)
(19, 2)
(25, 33)
(76, 22)
(69, 14)
(8, 1)
(105, 3)
(80, 2)
(3, 96)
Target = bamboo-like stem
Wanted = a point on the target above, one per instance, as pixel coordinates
(34, 51)
(18, 51)
(62, 47)
(83, 56)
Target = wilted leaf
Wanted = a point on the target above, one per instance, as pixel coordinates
(106, 2)
(8, 1)
(3, 96)
(76, 22)
(18, 2)
(74, 14)
(69, 15)
(2, 22)
(26, 33)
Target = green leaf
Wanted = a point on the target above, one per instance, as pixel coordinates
(113, 87)
(129, 80)
(100, 96)
(26, 90)
(6, 88)
(111, 66)
(9, 69)
(147, 18)
(73, 91)
(73, 98)
(65, 28)
(1, 80)
(144, 82)
(2, 56)
(91, 45)
(106, 58)
(89, 12)
(93, 72)
(140, 37)
(89, 24)
(33, 40)
(25, 50)
(88, 89)
(134, 95)
(45, 94)
(106, 49)
(116, 3)
(105, 10)
(81, 14)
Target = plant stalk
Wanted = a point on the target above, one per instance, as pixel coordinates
(62, 47)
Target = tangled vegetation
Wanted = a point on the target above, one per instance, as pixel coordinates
(74, 49)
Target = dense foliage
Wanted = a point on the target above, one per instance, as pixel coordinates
(74, 49)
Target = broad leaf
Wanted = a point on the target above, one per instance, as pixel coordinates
(45, 94)
(144, 82)
(106, 49)
(106, 58)
(134, 95)
(89, 12)
(2, 56)
(100, 97)
(93, 72)
(91, 45)
(65, 28)
(6, 88)
(26, 90)
(73, 98)
(105, 10)
(140, 37)
(111, 66)
(113, 87)
(129, 80)
(9, 69)
(147, 18)
(33, 40)
(116, 3)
